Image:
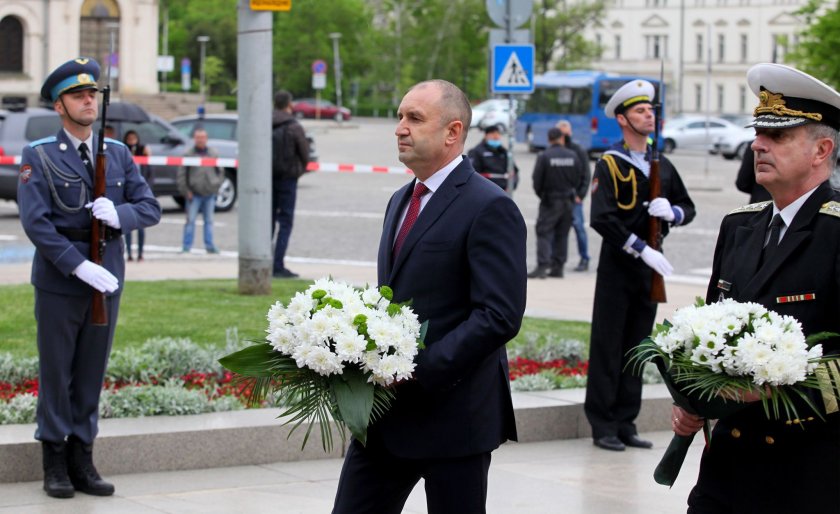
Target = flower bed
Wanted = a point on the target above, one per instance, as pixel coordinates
(167, 376)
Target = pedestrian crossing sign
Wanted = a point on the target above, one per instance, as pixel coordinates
(513, 69)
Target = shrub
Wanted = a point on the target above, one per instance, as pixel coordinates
(20, 409)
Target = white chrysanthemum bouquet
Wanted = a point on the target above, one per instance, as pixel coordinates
(332, 352)
(713, 357)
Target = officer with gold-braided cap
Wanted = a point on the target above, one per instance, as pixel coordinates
(782, 254)
(623, 313)
(56, 206)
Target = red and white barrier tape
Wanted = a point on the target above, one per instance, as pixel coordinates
(327, 167)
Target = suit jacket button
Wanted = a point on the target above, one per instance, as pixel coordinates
(769, 440)
(735, 433)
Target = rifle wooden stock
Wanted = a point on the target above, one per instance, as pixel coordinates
(99, 312)
(657, 283)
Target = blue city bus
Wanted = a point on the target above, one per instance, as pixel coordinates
(570, 95)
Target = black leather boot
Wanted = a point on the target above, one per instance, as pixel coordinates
(82, 472)
(56, 482)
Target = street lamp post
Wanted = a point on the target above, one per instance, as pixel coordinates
(335, 36)
(203, 41)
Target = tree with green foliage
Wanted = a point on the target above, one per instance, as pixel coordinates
(560, 26)
(816, 52)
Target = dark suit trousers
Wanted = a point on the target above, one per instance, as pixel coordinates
(623, 315)
(73, 355)
(376, 482)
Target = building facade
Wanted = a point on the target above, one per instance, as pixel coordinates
(38, 35)
(706, 46)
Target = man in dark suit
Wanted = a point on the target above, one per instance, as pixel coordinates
(55, 198)
(454, 244)
(785, 255)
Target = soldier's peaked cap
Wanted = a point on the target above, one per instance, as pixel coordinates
(632, 93)
(789, 98)
(79, 73)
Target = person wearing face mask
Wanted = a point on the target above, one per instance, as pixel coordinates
(490, 160)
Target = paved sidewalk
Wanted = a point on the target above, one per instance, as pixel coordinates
(569, 298)
(564, 477)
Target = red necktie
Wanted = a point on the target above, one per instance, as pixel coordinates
(410, 216)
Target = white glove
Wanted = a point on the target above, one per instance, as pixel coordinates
(657, 261)
(97, 277)
(661, 208)
(104, 210)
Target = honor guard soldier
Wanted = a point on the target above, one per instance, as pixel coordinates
(785, 255)
(623, 312)
(55, 198)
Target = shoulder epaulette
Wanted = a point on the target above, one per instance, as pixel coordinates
(114, 141)
(39, 142)
(831, 208)
(753, 207)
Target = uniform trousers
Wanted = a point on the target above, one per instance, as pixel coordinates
(375, 482)
(73, 355)
(622, 316)
(553, 224)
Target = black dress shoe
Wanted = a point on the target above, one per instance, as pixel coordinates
(609, 442)
(556, 273)
(539, 272)
(285, 273)
(635, 441)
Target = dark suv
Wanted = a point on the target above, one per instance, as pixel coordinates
(20, 127)
(17, 129)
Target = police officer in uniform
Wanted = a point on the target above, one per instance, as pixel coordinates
(55, 198)
(490, 159)
(558, 175)
(785, 255)
(623, 313)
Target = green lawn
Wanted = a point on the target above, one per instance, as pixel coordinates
(201, 310)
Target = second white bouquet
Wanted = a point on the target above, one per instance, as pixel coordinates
(332, 352)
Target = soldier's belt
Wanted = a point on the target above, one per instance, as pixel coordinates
(83, 234)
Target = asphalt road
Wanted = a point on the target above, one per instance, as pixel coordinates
(339, 215)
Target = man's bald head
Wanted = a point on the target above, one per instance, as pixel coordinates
(454, 104)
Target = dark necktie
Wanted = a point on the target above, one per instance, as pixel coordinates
(773, 240)
(410, 216)
(85, 155)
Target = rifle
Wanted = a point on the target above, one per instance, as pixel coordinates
(99, 313)
(654, 238)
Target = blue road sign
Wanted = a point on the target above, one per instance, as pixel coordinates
(513, 69)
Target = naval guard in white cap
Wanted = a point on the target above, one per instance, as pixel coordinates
(785, 255)
(623, 313)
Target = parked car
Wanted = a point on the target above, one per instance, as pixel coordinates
(493, 112)
(306, 108)
(222, 131)
(18, 128)
(733, 144)
(690, 132)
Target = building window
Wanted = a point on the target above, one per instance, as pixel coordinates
(720, 97)
(778, 48)
(742, 98)
(11, 43)
(698, 97)
(721, 47)
(656, 47)
(618, 46)
(699, 47)
(744, 47)
(99, 22)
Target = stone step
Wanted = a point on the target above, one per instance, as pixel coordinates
(167, 443)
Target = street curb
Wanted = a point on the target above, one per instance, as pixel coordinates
(251, 437)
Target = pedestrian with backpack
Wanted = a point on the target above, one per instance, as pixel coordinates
(290, 155)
